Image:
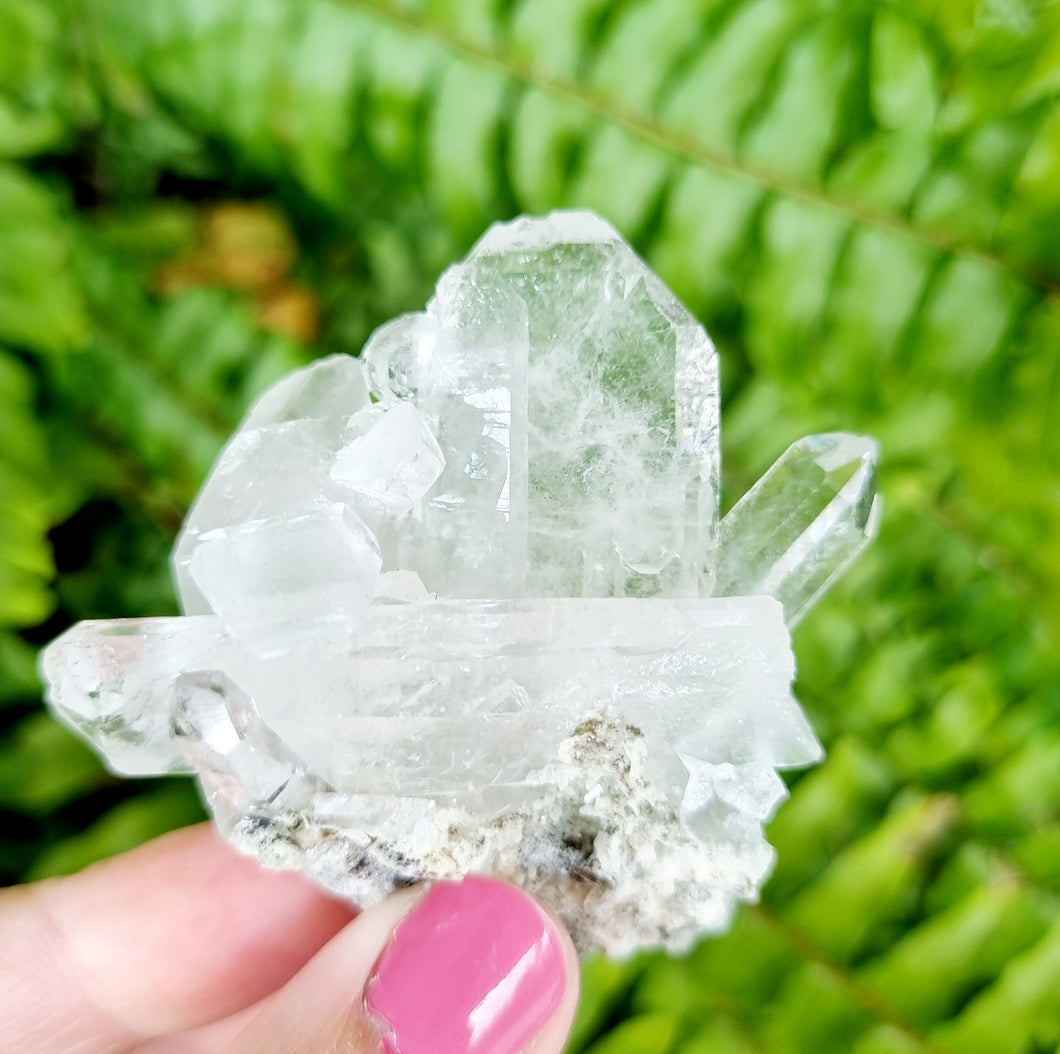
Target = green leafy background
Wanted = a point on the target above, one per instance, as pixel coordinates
(862, 202)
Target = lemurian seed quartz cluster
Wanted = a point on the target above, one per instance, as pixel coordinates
(466, 604)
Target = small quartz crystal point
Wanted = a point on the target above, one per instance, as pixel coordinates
(799, 527)
(466, 604)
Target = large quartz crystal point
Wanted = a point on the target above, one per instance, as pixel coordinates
(802, 524)
(576, 402)
(614, 756)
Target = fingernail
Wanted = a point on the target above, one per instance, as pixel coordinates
(475, 968)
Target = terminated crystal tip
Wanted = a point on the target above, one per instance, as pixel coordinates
(467, 605)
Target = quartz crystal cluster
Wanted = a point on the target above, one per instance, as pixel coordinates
(466, 604)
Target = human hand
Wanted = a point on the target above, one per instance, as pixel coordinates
(185, 947)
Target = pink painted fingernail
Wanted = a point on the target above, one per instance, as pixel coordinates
(475, 968)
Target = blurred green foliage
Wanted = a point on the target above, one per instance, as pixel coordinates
(860, 199)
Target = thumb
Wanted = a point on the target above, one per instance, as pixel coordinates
(470, 967)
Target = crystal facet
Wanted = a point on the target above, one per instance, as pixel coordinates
(281, 579)
(466, 604)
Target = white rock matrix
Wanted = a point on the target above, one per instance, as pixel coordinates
(467, 604)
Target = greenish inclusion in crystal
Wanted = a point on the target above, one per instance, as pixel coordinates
(605, 395)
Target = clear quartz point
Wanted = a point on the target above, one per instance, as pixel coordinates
(111, 681)
(391, 461)
(597, 723)
(244, 766)
(455, 608)
(802, 524)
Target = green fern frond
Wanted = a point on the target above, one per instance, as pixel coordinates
(26, 567)
(40, 305)
(860, 199)
(42, 96)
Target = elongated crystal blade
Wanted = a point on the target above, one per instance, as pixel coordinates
(798, 528)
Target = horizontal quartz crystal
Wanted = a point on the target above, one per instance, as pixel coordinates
(466, 604)
(672, 667)
(466, 709)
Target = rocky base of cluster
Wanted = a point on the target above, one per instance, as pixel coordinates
(603, 848)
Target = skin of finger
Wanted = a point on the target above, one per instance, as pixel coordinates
(207, 1039)
(179, 933)
(321, 1010)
